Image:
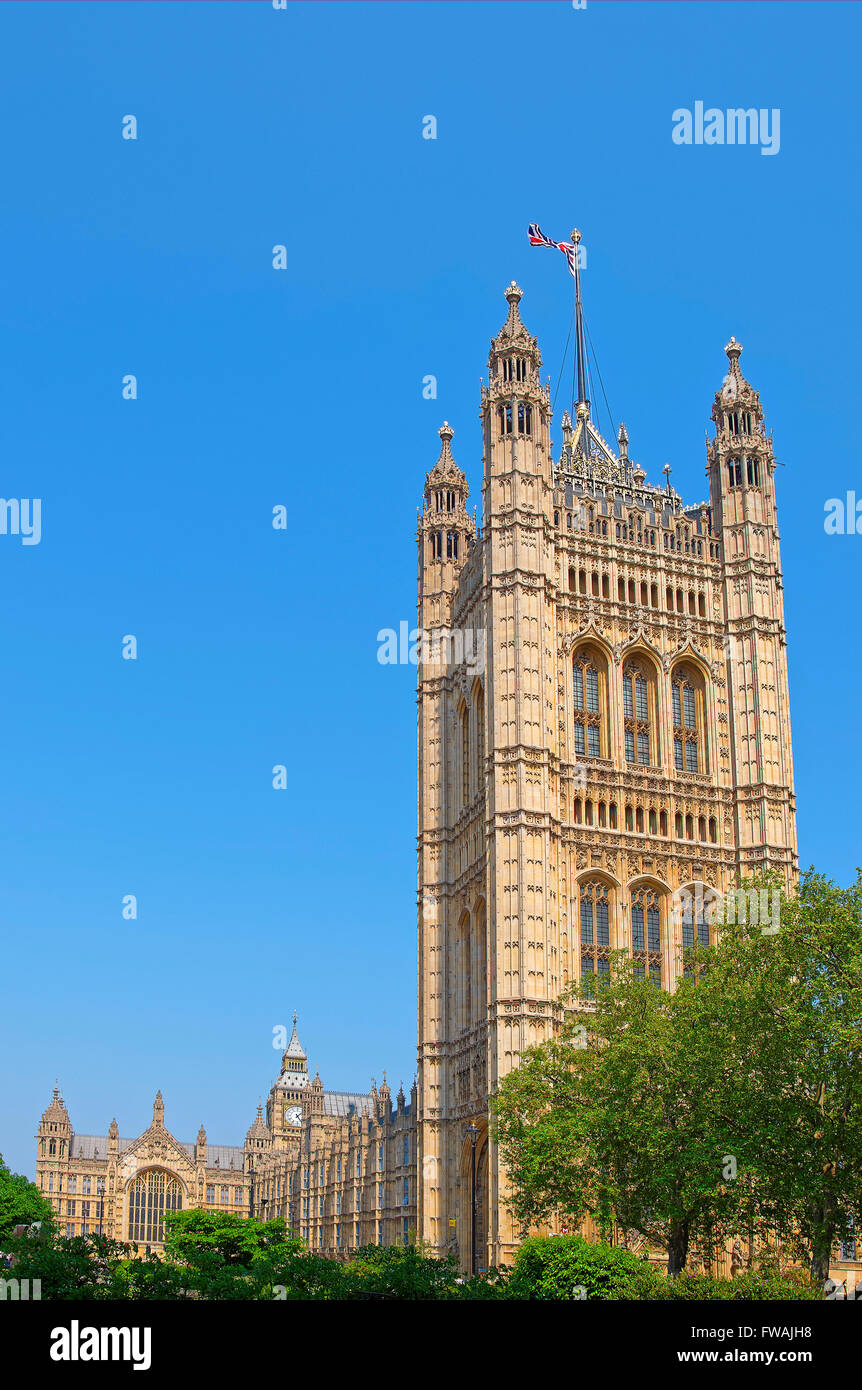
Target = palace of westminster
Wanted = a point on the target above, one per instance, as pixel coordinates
(627, 736)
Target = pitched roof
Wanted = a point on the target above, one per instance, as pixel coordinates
(347, 1103)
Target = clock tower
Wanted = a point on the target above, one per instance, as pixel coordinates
(286, 1098)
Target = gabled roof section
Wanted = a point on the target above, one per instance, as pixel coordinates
(585, 452)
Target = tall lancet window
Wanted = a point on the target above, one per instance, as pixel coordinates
(695, 926)
(688, 703)
(646, 935)
(465, 755)
(479, 702)
(752, 471)
(595, 932)
(587, 705)
(637, 714)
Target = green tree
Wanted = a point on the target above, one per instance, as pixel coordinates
(21, 1203)
(791, 1004)
(733, 1104)
(77, 1267)
(201, 1238)
(619, 1118)
(224, 1256)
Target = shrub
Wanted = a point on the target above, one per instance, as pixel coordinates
(702, 1288)
(556, 1267)
(402, 1272)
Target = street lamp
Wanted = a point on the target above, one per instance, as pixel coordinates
(473, 1131)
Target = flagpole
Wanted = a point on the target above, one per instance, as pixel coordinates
(579, 324)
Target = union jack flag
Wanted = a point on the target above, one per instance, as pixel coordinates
(537, 238)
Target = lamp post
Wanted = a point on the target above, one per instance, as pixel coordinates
(473, 1131)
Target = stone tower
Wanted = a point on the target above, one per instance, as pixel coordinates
(741, 471)
(624, 735)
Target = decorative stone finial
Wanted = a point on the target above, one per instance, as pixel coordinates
(733, 349)
(514, 294)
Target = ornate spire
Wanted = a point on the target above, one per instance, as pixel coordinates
(737, 408)
(446, 469)
(258, 1132)
(294, 1063)
(159, 1111)
(294, 1047)
(56, 1112)
(514, 295)
(733, 383)
(513, 333)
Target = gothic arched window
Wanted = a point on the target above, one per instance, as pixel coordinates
(479, 702)
(461, 977)
(465, 755)
(646, 934)
(595, 932)
(150, 1196)
(687, 697)
(638, 705)
(587, 677)
(696, 912)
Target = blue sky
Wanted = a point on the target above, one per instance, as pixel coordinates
(303, 127)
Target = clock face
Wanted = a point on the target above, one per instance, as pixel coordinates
(293, 1114)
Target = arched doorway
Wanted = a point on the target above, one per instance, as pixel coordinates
(469, 1261)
